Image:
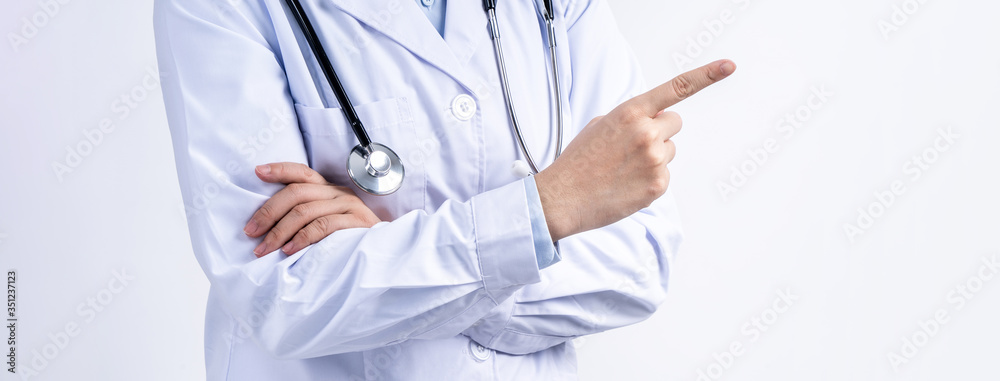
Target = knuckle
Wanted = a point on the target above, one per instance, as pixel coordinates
(278, 169)
(682, 86)
(656, 157)
(671, 151)
(673, 117)
(646, 138)
(299, 211)
(672, 123)
(651, 135)
(301, 169)
(321, 225)
(273, 236)
(296, 190)
(658, 186)
(267, 211)
(310, 175)
(302, 239)
(352, 199)
(628, 113)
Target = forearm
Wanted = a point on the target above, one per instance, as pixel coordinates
(437, 273)
(424, 275)
(608, 278)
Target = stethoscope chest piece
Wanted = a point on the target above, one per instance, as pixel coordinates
(379, 172)
(375, 168)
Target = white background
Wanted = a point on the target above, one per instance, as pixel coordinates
(780, 230)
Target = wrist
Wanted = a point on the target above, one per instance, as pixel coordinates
(557, 205)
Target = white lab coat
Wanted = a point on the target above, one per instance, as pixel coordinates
(450, 288)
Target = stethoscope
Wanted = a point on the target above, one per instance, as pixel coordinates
(377, 169)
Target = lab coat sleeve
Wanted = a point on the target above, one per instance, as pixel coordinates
(609, 277)
(421, 276)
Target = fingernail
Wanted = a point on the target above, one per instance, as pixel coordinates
(288, 247)
(250, 228)
(264, 169)
(727, 68)
(259, 250)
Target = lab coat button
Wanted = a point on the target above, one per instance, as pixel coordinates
(463, 107)
(479, 352)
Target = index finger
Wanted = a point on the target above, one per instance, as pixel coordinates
(682, 87)
(288, 172)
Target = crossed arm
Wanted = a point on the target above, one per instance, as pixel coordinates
(470, 270)
(586, 188)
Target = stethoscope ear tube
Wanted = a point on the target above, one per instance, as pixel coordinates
(549, 12)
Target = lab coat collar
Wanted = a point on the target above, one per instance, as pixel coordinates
(465, 28)
(402, 21)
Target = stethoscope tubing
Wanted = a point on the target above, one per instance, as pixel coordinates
(505, 86)
(313, 40)
(373, 184)
(554, 61)
(548, 16)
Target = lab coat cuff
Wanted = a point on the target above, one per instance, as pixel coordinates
(546, 252)
(504, 240)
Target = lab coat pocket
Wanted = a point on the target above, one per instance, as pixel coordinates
(329, 139)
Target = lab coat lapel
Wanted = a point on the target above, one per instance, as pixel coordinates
(404, 22)
(465, 28)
